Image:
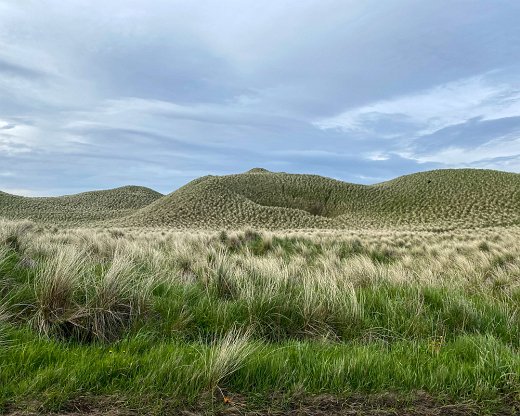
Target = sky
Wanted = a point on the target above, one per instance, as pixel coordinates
(100, 94)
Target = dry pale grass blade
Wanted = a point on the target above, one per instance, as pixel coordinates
(225, 356)
(116, 298)
(4, 317)
(13, 233)
(4, 252)
(262, 278)
(219, 274)
(4, 310)
(56, 286)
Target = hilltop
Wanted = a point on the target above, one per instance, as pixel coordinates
(259, 198)
(79, 208)
(448, 198)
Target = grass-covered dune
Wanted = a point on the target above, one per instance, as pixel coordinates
(80, 208)
(395, 298)
(442, 198)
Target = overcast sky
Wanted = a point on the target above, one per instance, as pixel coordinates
(99, 94)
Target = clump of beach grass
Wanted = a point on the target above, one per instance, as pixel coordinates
(176, 317)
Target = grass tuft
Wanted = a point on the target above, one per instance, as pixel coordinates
(225, 356)
(163, 320)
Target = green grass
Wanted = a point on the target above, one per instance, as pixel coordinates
(421, 300)
(149, 375)
(163, 321)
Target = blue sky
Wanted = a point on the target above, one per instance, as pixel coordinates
(99, 94)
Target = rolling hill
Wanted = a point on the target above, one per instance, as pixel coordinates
(258, 198)
(447, 198)
(80, 208)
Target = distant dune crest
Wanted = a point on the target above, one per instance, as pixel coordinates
(441, 199)
(258, 170)
(83, 208)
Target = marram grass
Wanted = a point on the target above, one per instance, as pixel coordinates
(169, 320)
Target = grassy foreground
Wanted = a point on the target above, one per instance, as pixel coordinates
(161, 320)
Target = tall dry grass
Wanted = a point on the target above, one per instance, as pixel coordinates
(96, 284)
(75, 298)
(163, 315)
(226, 355)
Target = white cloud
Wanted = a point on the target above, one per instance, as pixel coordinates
(4, 125)
(15, 140)
(17, 137)
(502, 147)
(431, 110)
(377, 156)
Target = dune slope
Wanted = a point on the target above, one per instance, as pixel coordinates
(79, 208)
(442, 198)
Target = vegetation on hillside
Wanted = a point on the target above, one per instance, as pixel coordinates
(442, 199)
(163, 320)
(77, 209)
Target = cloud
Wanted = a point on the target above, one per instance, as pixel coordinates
(468, 135)
(431, 110)
(468, 122)
(5, 125)
(159, 93)
(495, 149)
(11, 69)
(15, 138)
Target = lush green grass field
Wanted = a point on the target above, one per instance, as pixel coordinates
(159, 321)
(153, 375)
